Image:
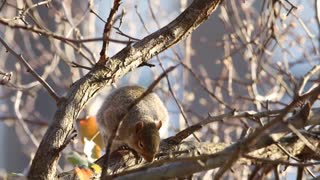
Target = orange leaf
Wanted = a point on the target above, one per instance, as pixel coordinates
(83, 173)
(89, 129)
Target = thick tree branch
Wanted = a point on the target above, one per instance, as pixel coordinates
(205, 156)
(124, 163)
(278, 125)
(47, 156)
(196, 157)
(172, 168)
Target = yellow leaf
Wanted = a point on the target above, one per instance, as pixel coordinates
(96, 168)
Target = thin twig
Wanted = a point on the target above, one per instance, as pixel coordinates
(76, 65)
(292, 7)
(22, 123)
(99, 17)
(21, 59)
(107, 31)
(277, 161)
(34, 6)
(2, 5)
(56, 36)
(141, 19)
(251, 140)
(125, 35)
(306, 77)
(317, 9)
(175, 99)
(33, 122)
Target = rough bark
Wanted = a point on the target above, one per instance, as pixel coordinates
(182, 167)
(195, 157)
(213, 155)
(47, 156)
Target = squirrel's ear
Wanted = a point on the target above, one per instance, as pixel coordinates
(158, 124)
(139, 126)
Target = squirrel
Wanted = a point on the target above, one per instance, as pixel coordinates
(138, 128)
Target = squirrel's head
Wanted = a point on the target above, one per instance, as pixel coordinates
(147, 139)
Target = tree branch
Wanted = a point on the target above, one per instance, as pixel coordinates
(35, 29)
(205, 156)
(107, 32)
(47, 156)
(21, 59)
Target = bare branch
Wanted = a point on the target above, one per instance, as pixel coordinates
(217, 155)
(37, 30)
(281, 162)
(107, 31)
(46, 158)
(32, 71)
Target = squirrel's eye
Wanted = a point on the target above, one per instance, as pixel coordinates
(140, 144)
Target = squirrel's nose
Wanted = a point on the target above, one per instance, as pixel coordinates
(148, 158)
